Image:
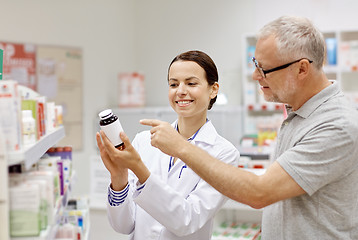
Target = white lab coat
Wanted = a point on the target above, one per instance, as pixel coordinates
(169, 207)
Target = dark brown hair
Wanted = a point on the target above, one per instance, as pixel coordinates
(204, 61)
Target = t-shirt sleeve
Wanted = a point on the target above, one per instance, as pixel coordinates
(320, 157)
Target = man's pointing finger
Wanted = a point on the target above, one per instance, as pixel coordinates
(150, 122)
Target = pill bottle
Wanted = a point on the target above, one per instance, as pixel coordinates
(111, 126)
(28, 128)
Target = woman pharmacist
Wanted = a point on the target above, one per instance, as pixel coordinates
(164, 199)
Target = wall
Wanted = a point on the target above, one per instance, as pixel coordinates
(217, 27)
(172, 27)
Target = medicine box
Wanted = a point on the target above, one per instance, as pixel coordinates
(25, 210)
(31, 104)
(10, 114)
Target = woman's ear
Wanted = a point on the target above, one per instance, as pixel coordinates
(214, 90)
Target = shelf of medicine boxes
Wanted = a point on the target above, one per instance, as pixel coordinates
(50, 232)
(256, 152)
(32, 153)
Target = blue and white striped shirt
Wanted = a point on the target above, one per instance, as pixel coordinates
(116, 198)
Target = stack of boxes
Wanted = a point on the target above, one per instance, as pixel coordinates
(15, 98)
(36, 196)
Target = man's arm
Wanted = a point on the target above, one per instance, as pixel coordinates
(237, 184)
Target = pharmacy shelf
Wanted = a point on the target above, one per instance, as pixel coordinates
(32, 153)
(256, 152)
(270, 107)
(62, 202)
(50, 232)
(47, 234)
(43, 236)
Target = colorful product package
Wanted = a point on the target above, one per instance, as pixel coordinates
(32, 105)
(50, 190)
(49, 164)
(64, 164)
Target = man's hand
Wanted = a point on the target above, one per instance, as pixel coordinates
(165, 137)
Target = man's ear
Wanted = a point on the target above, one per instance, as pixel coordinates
(304, 69)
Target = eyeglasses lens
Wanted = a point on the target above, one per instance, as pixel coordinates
(263, 75)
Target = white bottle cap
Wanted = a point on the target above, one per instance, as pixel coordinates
(105, 113)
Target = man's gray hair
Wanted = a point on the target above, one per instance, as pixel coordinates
(296, 37)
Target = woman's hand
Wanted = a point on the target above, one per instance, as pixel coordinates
(119, 161)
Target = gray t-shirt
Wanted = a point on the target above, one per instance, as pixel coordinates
(317, 146)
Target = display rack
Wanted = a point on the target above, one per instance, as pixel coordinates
(50, 232)
(31, 154)
(27, 157)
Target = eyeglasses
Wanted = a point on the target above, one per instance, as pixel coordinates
(264, 72)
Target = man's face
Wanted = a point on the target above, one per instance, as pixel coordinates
(278, 86)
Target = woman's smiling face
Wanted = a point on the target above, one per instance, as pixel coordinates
(189, 93)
